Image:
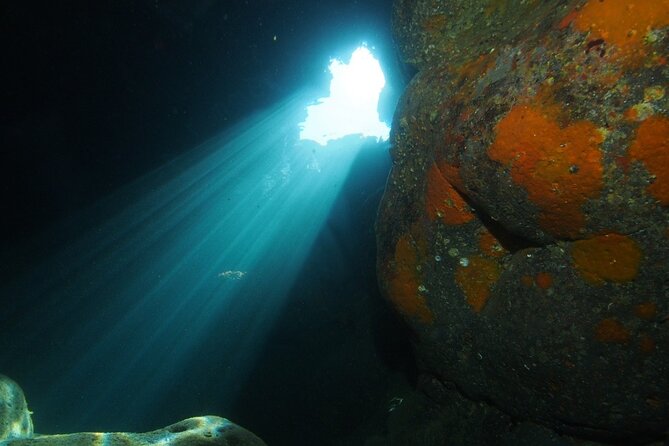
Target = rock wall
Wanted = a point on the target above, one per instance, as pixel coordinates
(524, 231)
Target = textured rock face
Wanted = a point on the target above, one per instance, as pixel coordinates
(16, 429)
(198, 431)
(15, 420)
(524, 232)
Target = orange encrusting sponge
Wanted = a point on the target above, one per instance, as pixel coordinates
(477, 279)
(403, 289)
(443, 202)
(607, 258)
(560, 168)
(623, 23)
(611, 330)
(651, 146)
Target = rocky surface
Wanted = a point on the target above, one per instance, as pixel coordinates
(16, 429)
(198, 431)
(524, 232)
(15, 419)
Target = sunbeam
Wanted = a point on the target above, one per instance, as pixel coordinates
(212, 243)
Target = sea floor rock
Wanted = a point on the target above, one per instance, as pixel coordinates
(15, 420)
(16, 429)
(197, 431)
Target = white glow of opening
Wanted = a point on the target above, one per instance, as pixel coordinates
(352, 107)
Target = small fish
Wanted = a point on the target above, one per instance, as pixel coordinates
(232, 275)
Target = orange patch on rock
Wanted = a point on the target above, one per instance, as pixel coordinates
(443, 202)
(623, 23)
(527, 280)
(646, 310)
(404, 282)
(651, 146)
(490, 245)
(566, 20)
(543, 280)
(646, 344)
(451, 173)
(560, 168)
(476, 280)
(612, 331)
(607, 258)
(631, 114)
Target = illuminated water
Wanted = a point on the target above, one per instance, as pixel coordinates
(238, 272)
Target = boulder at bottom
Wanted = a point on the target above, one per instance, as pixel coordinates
(198, 431)
(15, 421)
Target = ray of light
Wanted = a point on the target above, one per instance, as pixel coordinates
(206, 246)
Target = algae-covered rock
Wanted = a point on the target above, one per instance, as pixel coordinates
(524, 232)
(198, 431)
(15, 420)
(431, 32)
